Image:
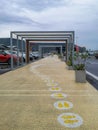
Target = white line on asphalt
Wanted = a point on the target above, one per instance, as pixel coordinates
(94, 76)
(93, 63)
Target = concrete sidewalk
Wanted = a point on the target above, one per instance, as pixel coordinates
(26, 102)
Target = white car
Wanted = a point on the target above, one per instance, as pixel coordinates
(20, 55)
(30, 57)
(35, 54)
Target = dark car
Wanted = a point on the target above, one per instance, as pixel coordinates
(96, 55)
(5, 57)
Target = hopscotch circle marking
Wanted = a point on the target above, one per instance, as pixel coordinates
(52, 84)
(55, 89)
(46, 80)
(70, 120)
(58, 95)
(63, 105)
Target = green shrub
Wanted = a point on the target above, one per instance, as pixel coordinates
(69, 63)
(79, 67)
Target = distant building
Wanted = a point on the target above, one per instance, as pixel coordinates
(5, 42)
(79, 49)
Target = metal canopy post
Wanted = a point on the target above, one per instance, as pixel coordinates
(22, 49)
(17, 51)
(39, 49)
(61, 50)
(11, 49)
(27, 51)
(69, 48)
(73, 48)
(66, 50)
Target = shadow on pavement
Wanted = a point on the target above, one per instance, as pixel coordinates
(2, 71)
(92, 81)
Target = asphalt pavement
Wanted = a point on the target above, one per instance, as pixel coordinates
(92, 66)
(92, 71)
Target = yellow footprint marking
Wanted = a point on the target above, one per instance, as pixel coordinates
(68, 117)
(59, 95)
(66, 104)
(60, 105)
(55, 88)
(70, 121)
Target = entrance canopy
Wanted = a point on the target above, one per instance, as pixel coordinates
(66, 37)
(44, 35)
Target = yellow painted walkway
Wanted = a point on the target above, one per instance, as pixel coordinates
(26, 102)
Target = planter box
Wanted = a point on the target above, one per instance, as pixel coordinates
(70, 67)
(80, 76)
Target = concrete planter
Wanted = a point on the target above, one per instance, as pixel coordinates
(80, 76)
(70, 67)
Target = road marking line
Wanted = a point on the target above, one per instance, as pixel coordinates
(94, 76)
(93, 63)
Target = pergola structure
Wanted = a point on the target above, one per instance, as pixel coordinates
(26, 37)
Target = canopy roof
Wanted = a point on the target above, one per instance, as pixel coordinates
(45, 35)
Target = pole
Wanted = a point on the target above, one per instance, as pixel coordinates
(17, 51)
(11, 49)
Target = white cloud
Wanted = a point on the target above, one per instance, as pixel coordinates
(78, 15)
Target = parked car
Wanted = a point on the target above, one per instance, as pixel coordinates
(5, 57)
(4, 47)
(96, 55)
(30, 57)
(35, 54)
(91, 53)
(19, 57)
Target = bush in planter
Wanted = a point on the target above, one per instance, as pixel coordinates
(69, 63)
(80, 73)
(79, 67)
(60, 57)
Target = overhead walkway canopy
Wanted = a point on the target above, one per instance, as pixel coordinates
(26, 37)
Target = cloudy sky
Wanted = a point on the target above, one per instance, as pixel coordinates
(80, 16)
